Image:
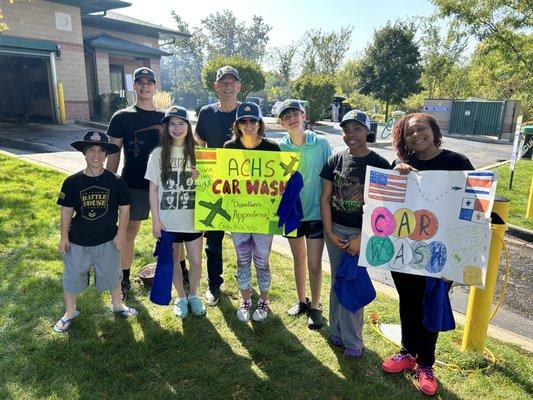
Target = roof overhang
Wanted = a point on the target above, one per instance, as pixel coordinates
(92, 6)
(116, 46)
(26, 46)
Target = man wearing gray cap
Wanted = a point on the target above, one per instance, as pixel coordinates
(214, 128)
(136, 130)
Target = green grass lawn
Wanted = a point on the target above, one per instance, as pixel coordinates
(519, 194)
(158, 356)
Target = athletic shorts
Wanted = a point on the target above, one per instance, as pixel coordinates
(179, 237)
(309, 229)
(140, 205)
(105, 258)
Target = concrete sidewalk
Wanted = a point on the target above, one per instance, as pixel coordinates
(53, 150)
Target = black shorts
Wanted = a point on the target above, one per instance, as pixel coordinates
(309, 229)
(179, 237)
(140, 205)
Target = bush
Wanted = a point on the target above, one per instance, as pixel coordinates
(107, 104)
(318, 90)
(163, 100)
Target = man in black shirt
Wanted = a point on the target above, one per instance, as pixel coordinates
(136, 129)
(214, 128)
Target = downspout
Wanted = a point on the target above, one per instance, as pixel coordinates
(95, 80)
(53, 71)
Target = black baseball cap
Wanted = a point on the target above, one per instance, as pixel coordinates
(93, 138)
(227, 70)
(356, 116)
(248, 109)
(175, 111)
(143, 72)
(290, 104)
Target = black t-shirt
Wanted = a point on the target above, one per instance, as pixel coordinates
(214, 126)
(95, 201)
(139, 129)
(347, 173)
(446, 160)
(265, 144)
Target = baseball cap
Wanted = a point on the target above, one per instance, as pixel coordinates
(290, 104)
(248, 109)
(227, 70)
(143, 71)
(93, 138)
(357, 116)
(175, 111)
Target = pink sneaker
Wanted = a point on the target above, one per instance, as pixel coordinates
(427, 383)
(398, 363)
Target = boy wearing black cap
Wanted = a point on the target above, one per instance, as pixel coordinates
(91, 237)
(214, 128)
(136, 129)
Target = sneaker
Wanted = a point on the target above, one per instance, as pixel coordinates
(427, 383)
(243, 313)
(181, 308)
(336, 340)
(197, 305)
(261, 312)
(353, 353)
(314, 319)
(212, 296)
(299, 308)
(125, 287)
(398, 363)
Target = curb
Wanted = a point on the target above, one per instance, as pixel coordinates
(520, 233)
(91, 124)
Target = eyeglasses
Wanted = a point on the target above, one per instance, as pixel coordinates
(290, 114)
(248, 120)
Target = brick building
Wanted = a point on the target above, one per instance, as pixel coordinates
(82, 44)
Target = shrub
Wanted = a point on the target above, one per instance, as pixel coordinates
(107, 104)
(318, 90)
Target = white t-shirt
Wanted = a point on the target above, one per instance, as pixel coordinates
(176, 195)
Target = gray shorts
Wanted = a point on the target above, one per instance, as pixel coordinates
(105, 258)
(140, 205)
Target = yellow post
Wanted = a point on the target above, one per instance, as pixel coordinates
(480, 300)
(529, 211)
(61, 103)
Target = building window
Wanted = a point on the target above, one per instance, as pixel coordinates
(118, 83)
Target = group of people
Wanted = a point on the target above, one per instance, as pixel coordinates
(101, 213)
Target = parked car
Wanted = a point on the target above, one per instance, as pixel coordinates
(259, 101)
(275, 108)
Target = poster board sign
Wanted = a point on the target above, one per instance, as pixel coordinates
(240, 190)
(431, 223)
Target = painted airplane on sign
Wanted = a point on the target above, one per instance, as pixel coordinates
(216, 209)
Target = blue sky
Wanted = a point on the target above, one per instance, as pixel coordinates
(290, 18)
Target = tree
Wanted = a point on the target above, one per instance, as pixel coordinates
(252, 77)
(324, 51)
(346, 77)
(223, 35)
(3, 26)
(390, 68)
(499, 23)
(318, 90)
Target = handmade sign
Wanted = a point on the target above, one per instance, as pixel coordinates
(240, 190)
(432, 223)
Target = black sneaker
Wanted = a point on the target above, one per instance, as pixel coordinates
(185, 274)
(314, 319)
(125, 288)
(299, 308)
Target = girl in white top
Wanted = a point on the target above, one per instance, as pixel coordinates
(172, 177)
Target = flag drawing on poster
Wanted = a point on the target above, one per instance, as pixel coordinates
(473, 209)
(387, 186)
(480, 185)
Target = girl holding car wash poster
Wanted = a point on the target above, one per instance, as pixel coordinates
(417, 139)
(248, 133)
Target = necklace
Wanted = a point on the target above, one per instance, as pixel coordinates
(97, 175)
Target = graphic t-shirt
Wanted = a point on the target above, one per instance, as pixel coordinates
(446, 160)
(265, 144)
(347, 173)
(139, 129)
(95, 201)
(176, 195)
(214, 126)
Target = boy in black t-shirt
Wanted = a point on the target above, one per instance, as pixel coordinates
(91, 237)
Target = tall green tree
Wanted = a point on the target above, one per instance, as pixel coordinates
(390, 67)
(318, 90)
(505, 24)
(252, 77)
(324, 51)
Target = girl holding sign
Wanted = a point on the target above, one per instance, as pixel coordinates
(172, 188)
(248, 133)
(343, 183)
(417, 139)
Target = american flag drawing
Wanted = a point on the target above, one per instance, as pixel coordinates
(387, 186)
(479, 183)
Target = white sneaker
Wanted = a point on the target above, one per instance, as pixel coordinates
(243, 313)
(261, 312)
(211, 297)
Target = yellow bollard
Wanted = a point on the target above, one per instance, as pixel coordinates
(529, 211)
(480, 300)
(61, 103)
